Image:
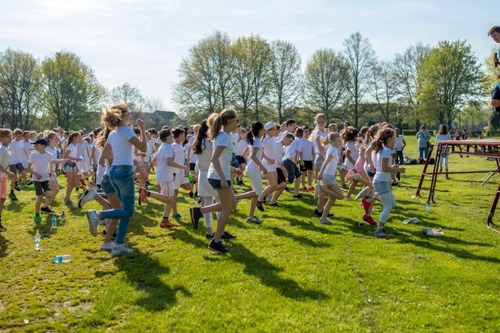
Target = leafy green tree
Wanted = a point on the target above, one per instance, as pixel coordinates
(19, 87)
(450, 78)
(206, 77)
(252, 76)
(360, 58)
(286, 78)
(70, 90)
(326, 78)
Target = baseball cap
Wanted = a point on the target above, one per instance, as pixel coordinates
(40, 141)
(269, 126)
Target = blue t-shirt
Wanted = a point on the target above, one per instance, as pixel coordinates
(495, 94)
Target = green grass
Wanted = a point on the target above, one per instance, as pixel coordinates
(290, 274)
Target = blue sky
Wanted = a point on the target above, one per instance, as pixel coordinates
(143, 41)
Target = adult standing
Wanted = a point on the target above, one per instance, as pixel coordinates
(423, 138)
(121, 141)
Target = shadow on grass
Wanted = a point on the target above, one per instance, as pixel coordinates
(299, 239)
(441, 244)
(310, 226)
(268, 275)
(143, 272)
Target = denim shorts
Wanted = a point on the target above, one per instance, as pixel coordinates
(216, 183)
(106, 185)
(69, 167)
(382, 187)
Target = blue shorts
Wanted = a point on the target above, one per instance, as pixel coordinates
(382, 187)
(69, 167)
(216, 183)
(106, 185)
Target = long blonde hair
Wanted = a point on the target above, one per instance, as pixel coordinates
(215, 122)
(112, 117)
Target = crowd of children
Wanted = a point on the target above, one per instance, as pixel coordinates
(205, 160)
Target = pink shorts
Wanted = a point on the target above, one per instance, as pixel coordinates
(3, 187)
(359, 165)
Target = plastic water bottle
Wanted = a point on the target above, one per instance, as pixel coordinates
(60, 259)
(82, 156)
(37, 240)
(190, 177)
(428, 207)
(63, 216)
(53, 225)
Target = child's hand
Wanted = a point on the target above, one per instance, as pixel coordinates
(37, 175)
(402, 170)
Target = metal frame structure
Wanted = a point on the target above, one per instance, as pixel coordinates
(485, 148)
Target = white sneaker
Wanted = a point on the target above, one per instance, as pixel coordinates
(317, 190)
(326, 221)
(120, 250)
(103, 222)
(93, 219)
(87, 196)
(107, 246)
(364, 192)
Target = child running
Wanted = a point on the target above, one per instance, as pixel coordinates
(327, 175)
(219, 173)
(384, 143)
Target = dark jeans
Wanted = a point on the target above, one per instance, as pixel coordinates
(400, 160)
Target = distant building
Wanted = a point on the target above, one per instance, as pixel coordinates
(160, 118)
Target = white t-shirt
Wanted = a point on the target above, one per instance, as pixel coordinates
(269, 146)
(256, 145)
(72, 151)
(443, 137)
(204, 159)
(351, 147)
(280, 151)
(28, 148)
(222, 140)
(41, 163)
(16, 152)
(189, 147)
(318, 134)
(164, 172)
(178, 157)
(331, 167)
(292, 150)
(123, 150)
(307, 149)
(240, 147)
(381, 176)
(52, 152)
(4, 158)
(398, 143)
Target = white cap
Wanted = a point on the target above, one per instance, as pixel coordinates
(270, 126)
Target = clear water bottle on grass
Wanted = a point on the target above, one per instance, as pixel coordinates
(61, 258)
(37, 240)
(63, 216)
(53, 225)
(428, 207)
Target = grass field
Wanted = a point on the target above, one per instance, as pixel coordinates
(290, 274)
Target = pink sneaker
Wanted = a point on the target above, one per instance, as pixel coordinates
(366, 205)
(369, 219)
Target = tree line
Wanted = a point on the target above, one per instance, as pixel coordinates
(60, 90)
(266, 81)
(263, 80)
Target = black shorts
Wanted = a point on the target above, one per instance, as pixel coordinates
(241, 160)
(234, 162)
(192, 166)
(308, 165)
(292, 170)
(281, 176)
(16, 167)
(41, 187)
